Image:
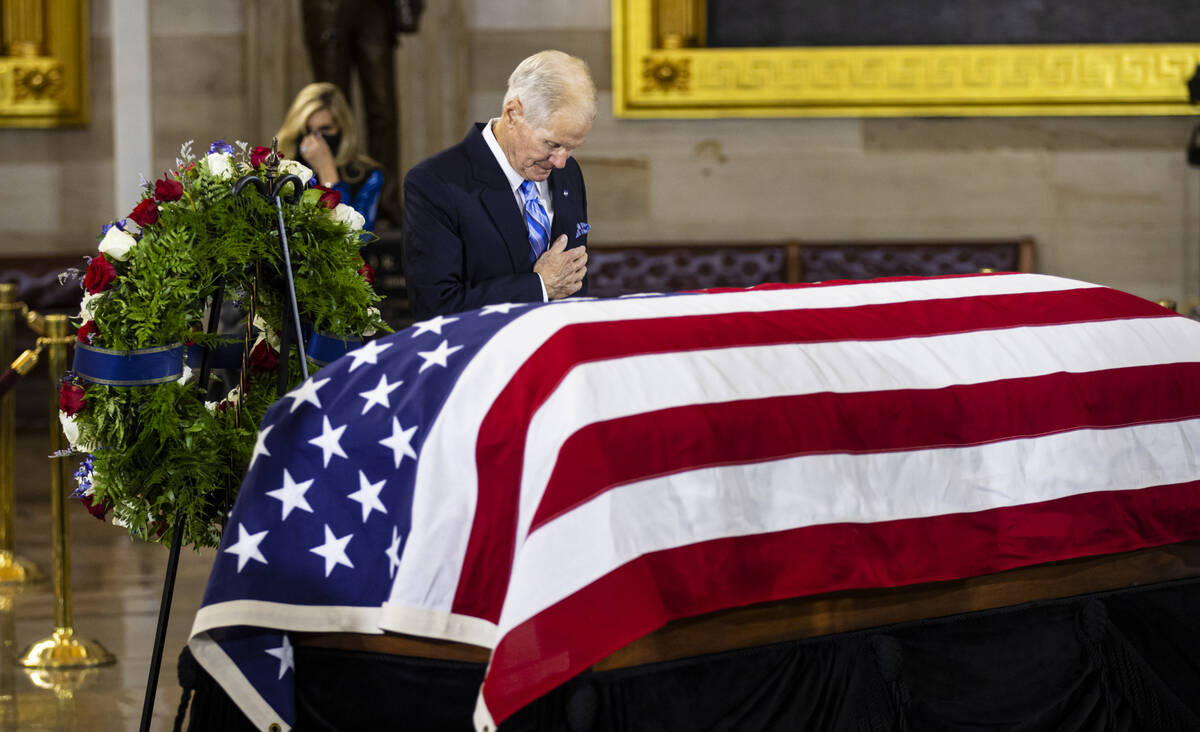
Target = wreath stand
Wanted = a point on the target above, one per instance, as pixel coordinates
(270, 189)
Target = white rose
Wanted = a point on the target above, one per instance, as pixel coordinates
(296, 169)
(220, 165)
(87, 306)
(71, 430)
(348, 216)
(116, 244)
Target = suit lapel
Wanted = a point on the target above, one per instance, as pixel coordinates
(564, 215)
(498, 199)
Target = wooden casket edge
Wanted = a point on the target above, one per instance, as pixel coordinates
(835, 612)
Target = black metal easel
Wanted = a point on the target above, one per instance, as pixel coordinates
(272, 190)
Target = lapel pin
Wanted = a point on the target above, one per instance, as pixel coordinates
(565, 193)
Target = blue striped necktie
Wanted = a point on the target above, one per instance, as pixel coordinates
(536, 221)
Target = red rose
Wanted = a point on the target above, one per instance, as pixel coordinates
(94, 507)
(166, 189)
(263, 357)
(86, 333)
(100, 274)
(145, 213)
(71, 399)
(368, 273)
(329, 197)
(259, 155)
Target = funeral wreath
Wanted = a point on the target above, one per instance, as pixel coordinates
(158, 445)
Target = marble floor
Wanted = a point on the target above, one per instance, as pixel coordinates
(116, 585)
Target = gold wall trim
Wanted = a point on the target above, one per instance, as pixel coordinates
(43, 63)
(654, 75)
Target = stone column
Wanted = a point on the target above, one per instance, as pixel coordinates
(132, 121)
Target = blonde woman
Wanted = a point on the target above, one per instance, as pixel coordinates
(320, 132)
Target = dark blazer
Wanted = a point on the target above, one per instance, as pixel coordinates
(465, 241)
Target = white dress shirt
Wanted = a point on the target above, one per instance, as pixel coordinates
(515, 180)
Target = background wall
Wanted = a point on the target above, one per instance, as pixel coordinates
(1110, 200)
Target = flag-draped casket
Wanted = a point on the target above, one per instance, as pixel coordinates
(552, 482)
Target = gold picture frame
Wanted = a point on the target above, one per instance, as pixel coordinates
(661, 69)
(43, 63)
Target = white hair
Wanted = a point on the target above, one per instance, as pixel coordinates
(551, 81)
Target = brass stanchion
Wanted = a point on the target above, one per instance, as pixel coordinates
(62, 649)
(13, 569)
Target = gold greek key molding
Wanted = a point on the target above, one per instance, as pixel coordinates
(654, 78)
(43, 69)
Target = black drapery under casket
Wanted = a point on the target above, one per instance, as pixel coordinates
(1118, 661)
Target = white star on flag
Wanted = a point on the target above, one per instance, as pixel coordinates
(306, 392)
(433, 325)
(503, 308)
(368, 353)
(286, 656)
(400, 442)
(329, 441)
(291, 495)
(260, 445)
(368, 495)
(333, 550)
(379, 395)
(246, 547)
(393, 553)
(437, 355)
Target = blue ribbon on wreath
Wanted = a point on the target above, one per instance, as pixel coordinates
(139, 367)
(324, 348)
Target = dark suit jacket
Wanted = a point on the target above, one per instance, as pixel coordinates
(465, 241)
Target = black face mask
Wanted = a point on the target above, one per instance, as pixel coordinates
(333, 141)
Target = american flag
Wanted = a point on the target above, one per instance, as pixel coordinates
(554, 481)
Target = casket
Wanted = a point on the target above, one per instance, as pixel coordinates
(587, 485)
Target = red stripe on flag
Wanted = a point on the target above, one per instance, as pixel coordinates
(500, 445)
(646, 593)
(611, 453)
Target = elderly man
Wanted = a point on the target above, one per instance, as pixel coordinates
(502, 216)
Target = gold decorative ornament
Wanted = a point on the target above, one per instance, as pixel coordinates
(665, 75)
(37, 82)
(884, 81)
(43, 63)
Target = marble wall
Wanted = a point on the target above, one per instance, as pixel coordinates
(1110, 200)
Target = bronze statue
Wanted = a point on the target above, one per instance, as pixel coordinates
(360, 36)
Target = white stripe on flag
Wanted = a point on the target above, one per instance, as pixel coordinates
(586, 543)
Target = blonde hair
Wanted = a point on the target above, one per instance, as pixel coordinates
(551, 81)
(313, 98)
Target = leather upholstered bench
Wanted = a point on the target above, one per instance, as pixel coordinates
(631, 268)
